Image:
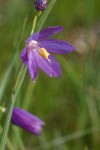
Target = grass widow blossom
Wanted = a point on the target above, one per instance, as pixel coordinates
(36, 53)
(27, 121)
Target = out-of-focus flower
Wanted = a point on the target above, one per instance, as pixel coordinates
(37, 52)
(27, 121)
(40, 5)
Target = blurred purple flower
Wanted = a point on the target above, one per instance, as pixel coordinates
(27, 121)
(37, 52)
(40, 5)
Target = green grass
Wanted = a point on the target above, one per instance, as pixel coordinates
(70, 105)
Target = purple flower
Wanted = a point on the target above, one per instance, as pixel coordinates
(40, 5)
(27, 121)
(37, 52)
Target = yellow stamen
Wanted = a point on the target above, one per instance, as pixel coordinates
(42, 52)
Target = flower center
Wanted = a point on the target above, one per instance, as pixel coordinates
(33, 42)
(41, 51)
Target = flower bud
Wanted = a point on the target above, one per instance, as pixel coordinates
(27, 121)
(40, 5)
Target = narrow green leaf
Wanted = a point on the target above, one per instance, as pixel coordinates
(28, 95)
(3, 86)
(11, 65)
(18, 138)
(7, 76)
(10, 108)
(10, 146)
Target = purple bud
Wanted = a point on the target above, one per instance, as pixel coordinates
(27, 121)
(40, 5)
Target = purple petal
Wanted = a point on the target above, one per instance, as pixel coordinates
(28, 58)
(27, 121)
(24, 55)
(56, 46)
(51, 67)
(43, 34)
(32, 65)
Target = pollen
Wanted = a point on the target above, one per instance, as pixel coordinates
(42, 52)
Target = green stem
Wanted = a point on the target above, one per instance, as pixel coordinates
(35, 20)
(19, 80)
(14, 94)
(15, 91)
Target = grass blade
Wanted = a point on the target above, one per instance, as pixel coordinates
(70, 137)
(18, 138)
(10, 108)
(11, 65)
(9, 144)
(7, 76)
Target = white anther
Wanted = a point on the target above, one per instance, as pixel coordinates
(33, 42)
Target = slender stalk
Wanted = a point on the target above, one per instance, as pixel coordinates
(15, 91)
(34, 21)
(14, 94)
(10, 146)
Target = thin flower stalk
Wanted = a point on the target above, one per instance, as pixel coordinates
(15, 91)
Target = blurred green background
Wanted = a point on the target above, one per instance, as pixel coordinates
(69, 105)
